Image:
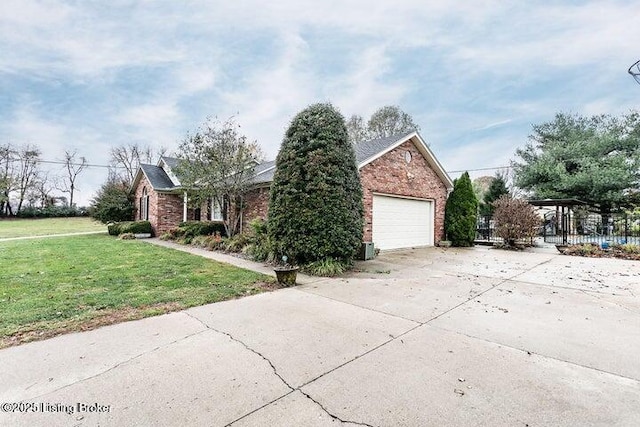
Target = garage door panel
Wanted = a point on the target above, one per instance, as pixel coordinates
(400, 223)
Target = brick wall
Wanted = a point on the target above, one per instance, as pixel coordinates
(256, 204)
(391, 174)
(165, 209)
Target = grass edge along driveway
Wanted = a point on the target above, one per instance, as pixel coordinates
(66, 284)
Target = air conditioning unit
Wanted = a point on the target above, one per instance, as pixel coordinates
(367, 251)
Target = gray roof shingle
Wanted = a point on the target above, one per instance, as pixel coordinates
(157, 177)
(364, 150)
(368, 149)
(265, 171)
(172, 162)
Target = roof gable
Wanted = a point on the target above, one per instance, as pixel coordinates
(157, 177)
(168, 164)
(368, 151)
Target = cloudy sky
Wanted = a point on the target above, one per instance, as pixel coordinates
(475, 75)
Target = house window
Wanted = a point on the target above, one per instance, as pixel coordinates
(216, 212)
(144, 205)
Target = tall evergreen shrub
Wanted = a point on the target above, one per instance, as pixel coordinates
(315, 207)
(461, 212)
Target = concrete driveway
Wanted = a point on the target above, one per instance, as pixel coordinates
(416, 338)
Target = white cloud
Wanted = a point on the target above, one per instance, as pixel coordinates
(149, 71)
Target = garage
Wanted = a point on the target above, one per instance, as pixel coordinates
(401, 222)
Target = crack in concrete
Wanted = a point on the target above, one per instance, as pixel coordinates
(335, 417)
(275, 371)
(117, 365)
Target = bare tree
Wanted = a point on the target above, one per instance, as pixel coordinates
(73, 166)
(129, 157)
(27, 171)
(7, 178)
(42, 188)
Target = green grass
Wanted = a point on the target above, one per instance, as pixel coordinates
(47, 226)
(60, 284)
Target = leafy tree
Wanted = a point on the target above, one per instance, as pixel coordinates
(356, 129)
(217, 163)
(388, 121)
(595, 159)
(113, 201)
(515, 219)
(315, 207)
(497, 188)
(460, 213)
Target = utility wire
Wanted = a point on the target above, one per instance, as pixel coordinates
(481, 169)
(59, 162)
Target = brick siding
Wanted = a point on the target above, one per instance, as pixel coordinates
(391, 174)
(256, 204)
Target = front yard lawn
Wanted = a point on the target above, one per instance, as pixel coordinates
(47, 226)
(62, 284)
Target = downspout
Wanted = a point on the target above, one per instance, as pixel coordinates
(185, 199)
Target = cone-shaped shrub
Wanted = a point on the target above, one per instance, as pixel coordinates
(315, 206)
(460, 213)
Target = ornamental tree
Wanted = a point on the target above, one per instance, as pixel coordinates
(460, 213)
(315, 207)
(515, 219)
(217, 164)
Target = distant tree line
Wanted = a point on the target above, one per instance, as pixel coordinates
(27, 190)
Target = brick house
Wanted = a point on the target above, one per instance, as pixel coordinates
(404, 188)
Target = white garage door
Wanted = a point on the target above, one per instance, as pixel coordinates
(401, 223)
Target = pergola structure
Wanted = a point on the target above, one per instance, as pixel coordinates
(563, 211)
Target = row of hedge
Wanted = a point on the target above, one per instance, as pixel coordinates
(186, 231)
(134, 227)
(51, 212)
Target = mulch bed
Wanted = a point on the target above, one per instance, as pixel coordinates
(594, 251)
